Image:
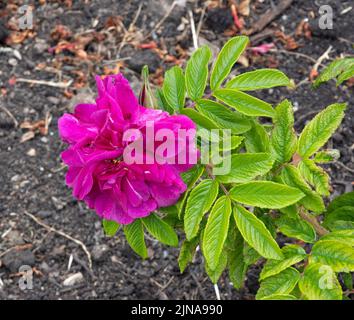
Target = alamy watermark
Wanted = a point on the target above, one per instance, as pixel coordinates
(25, 20)
(326, 17)
(26, 280)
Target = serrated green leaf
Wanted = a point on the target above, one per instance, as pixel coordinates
(256, 139)
(344, 236)
(292, 253)
(348, 280)
(244, 103)
(199, 202)
(214, 274)
(326, 156)
(340, 219)
(346, 75)
(134, 234)
(246, 166)
(344, 200)
(215, 232)
(223, 117)
(191, 176)
(110, 227)
(199, 118)
(319, 129)
(283, 139)
(297, 228)
(227, 57)
(186, 253)
(160, 230)
(235, 260)
(319, 282)
(335, 69)
(265, 194)
(279, 297)
(161, 101)
(259, 79)
(174, 88)
(256, 234)
(315, 176)
(282, 283)
(250, 255)
(197, 72)
(339, 256)
(312, 201)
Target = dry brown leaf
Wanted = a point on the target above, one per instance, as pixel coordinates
(27, 136)
(244, 7)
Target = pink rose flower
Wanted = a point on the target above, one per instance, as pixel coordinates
(97, 172)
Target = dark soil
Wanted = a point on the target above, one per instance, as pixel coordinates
(32, 175)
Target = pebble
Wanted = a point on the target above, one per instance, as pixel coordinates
(73, 279)
(13, 260)
(53, 100)
(99, 251)
(13, 62)
(31, 152)
(44, 213)
(14, 238)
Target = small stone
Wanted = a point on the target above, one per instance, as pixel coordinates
(31, 152)
(44, 213)
(58, 203)
(99, 251)
(15, 259)
(53, 100)
(14, 238)
(12, 62)
(73, 279)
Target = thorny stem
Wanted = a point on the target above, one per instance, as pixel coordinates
(321, 231)
(210, 174)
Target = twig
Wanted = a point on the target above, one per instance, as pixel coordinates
(321, 231)
(200, 288)
(298, 54)
(3, 108)
(324, 56)
(163, 19)
(194, 35)
(217, 292)
(123, 42)
(63, 234)
(269, 16)
(62, 85)
(344, 166)
(201, 20)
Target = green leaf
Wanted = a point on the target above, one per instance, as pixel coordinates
(319, 282)
(110, 227)
(227, 57)
(296, 228)
(265, 194)
(344, 236)
(283, 140)
(315, 176)
(259, 79)
(174, 88)
(340, 219)
(161, 101)
(247, 166)
(256, 139)
(186, 253)
(327, 156)
(336, 254)
(199, 202)
(250, 255)
(160, 230)
(256, 234)
(348, 280)
(134, 234)
(216, 231)
(346, 75)
(197, 72)
(199, 118)
(282, 283)
(279, 297)
(335, 69)
(236, 263)
(312, 201)
(319, 129)
(223, 117)
(244, 103)
(215, 274)
(344, 200)
(292, 253)
(191, 176)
